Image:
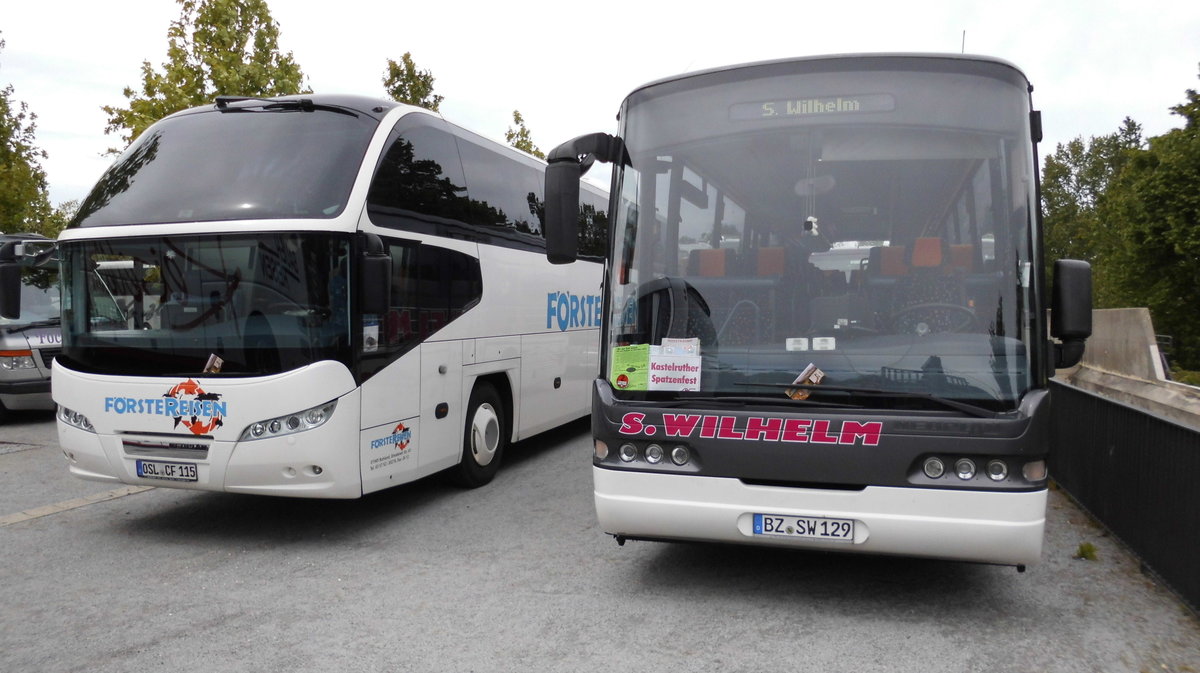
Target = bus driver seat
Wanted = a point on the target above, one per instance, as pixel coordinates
(932, 296)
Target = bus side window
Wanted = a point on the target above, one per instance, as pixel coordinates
(431, 287)
(418, 180)
(505, 191)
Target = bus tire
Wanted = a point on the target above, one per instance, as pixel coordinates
(484, 438)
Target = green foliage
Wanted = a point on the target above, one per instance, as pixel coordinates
(1132, 209)
(216, 48)
(520, 137)
(1075, 180)
(406, 84)
(1191, 378)
(24, 201)
(1086, 551)
(1156, 200)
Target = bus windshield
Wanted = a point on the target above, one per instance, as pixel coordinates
(154, 306)
(269, 162)
(860, 231)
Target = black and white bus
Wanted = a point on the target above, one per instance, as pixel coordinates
(825, 317)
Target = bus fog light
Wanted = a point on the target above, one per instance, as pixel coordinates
(934, 467)
(680, 455)
(317, 469)
(965, 468)
(654, 454)
(628, 452)
(997, 470)
(1034, 471)
(601, 450)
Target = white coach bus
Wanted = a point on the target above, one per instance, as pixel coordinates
(317, 296)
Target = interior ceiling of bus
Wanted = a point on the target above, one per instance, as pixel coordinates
(856, 185)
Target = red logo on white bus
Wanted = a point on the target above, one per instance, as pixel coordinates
(756, 429)
(198, 411)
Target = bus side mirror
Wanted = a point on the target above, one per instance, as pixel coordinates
(566, 164)
(374, 277)
(10, 281)
(10, 290)
(562, 202)
(1071, 310)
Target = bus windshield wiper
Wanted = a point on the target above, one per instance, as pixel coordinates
(965, 407)
(301, 104)
(743, 400)
(13, 329)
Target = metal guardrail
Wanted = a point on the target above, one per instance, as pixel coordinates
(1137, 474)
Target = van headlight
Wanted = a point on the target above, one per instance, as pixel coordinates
(289, 424)
(17, 360)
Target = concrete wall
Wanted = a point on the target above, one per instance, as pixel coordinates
(1123, 342)
(1122, 363)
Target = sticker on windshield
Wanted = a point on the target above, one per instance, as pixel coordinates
(673, 365)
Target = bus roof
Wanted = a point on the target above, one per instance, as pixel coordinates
(826, 62)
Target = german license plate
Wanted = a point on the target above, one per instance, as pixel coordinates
(812, 527)
(153, 469)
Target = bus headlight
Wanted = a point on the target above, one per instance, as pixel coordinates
(680, 455)
(75, 419)
(965, 469)
(997, 470)
(934, 467)
(654, 454)
(289, 424)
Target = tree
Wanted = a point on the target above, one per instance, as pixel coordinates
(1074, 181)
(521, 138)
(215, 48)
(24, 203)
(1156, 262)
(406, 84)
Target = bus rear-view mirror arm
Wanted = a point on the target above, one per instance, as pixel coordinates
(567, 164)
(1071, 310)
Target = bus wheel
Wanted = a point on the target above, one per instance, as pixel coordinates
(484, 438)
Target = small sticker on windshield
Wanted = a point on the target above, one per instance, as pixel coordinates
(824, 343)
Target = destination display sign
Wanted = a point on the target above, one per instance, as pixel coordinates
(791, 108)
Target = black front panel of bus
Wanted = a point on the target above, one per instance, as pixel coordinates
(815, 447)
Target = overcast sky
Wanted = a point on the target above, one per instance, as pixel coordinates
(567, 66)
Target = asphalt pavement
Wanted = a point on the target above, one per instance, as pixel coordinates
(516, 576)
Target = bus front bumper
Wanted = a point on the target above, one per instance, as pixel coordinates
(319, 467)
(979, 526)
